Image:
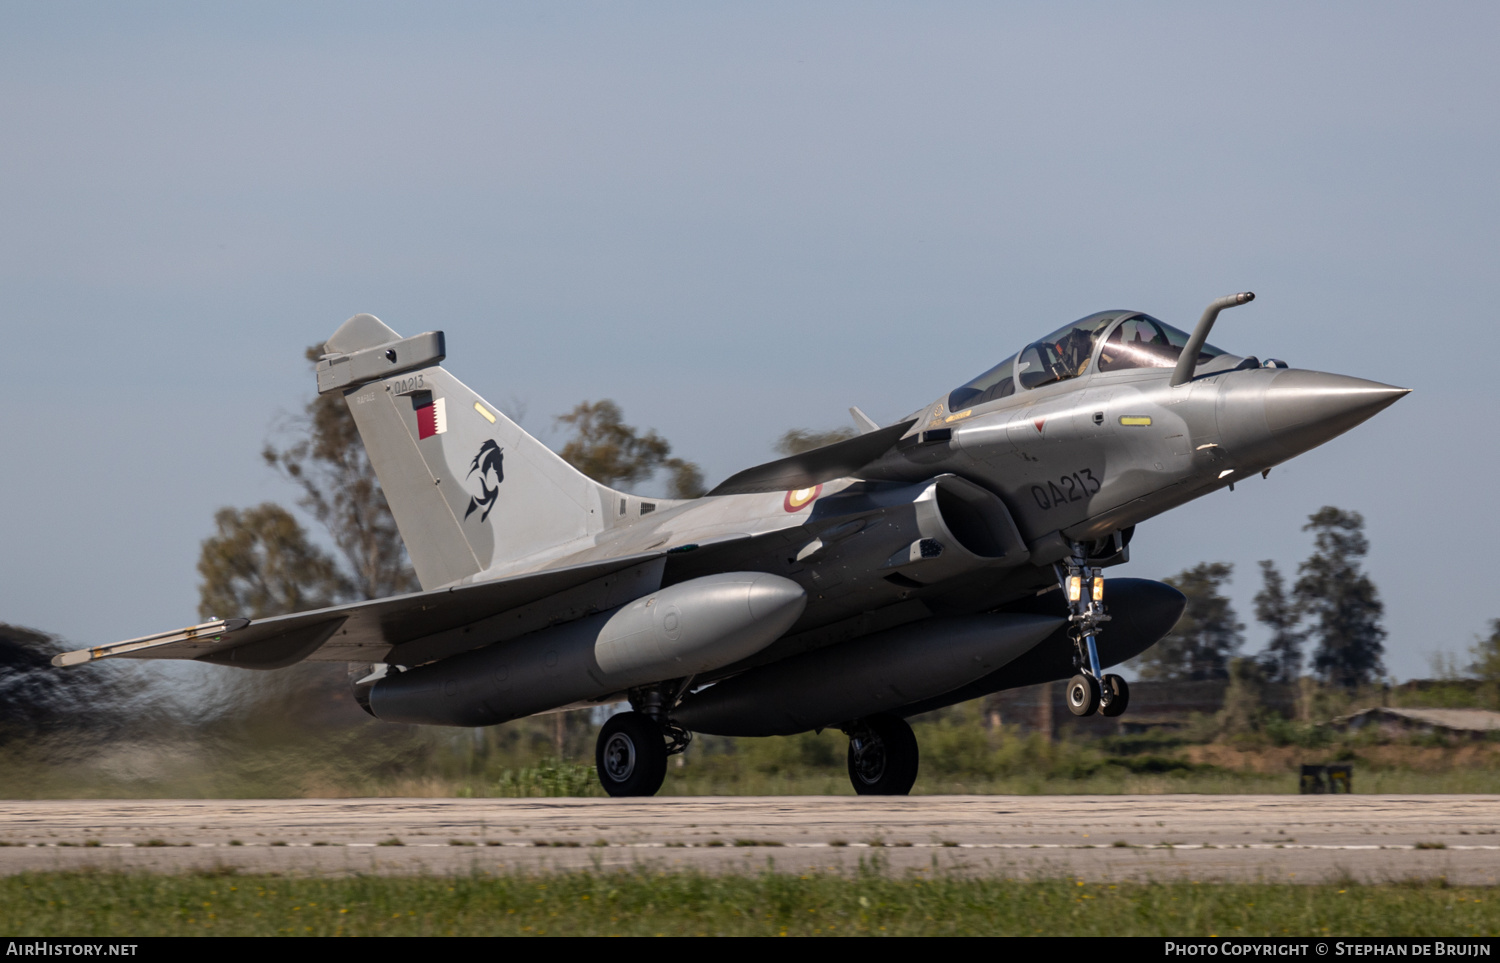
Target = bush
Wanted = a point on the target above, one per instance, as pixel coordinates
(549, 778)
(1285, 732)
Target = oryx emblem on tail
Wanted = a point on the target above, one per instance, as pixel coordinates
(485, 463)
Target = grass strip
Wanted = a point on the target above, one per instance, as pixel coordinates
(644, 903)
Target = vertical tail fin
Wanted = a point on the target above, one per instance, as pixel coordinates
(468, 487)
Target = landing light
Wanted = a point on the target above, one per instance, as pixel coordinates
(1098, 581)
(1075, 588)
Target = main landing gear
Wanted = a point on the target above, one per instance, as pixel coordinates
(631, 754)
(1088, 691)
(882, 756)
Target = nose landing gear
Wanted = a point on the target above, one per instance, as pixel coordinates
(1089, 691)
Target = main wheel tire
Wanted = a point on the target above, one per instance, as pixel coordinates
(1083, 695)
(886, 764)
(1119, 695)
(631, 755)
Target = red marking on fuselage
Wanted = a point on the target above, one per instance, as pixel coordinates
(1039, 423)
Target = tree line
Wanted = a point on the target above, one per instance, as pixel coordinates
(1333, 605)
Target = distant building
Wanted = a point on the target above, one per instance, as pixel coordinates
(1461, 723)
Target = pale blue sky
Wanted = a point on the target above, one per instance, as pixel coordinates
(732, 220)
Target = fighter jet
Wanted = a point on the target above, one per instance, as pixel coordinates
(952, 554)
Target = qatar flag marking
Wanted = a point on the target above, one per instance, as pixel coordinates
(432, 419)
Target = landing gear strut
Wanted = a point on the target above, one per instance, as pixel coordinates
(882, 756)
(1089, 691)
(631, 754)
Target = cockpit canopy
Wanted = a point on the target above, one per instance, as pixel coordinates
(1130, 340)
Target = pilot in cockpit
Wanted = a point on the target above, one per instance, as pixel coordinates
(1074, 350)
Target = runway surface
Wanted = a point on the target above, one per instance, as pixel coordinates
(1274, 838)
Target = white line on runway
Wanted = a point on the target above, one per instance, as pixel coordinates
(757, 845)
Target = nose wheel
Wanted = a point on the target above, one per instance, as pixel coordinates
(1087, 695)
(1118, 693)
(882, 756)
(1083, 695)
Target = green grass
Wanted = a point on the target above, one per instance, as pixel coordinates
(681, 904)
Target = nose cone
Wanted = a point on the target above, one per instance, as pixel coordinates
(1306, 408)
